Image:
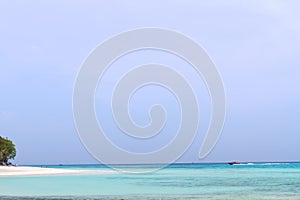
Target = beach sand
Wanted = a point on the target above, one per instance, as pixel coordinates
(10, 171)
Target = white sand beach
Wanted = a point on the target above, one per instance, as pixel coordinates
(10, 171)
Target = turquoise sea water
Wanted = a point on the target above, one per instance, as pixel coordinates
(179, 181)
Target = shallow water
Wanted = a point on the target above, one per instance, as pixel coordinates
(188, 181)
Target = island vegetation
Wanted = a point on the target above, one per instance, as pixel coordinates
(7, 151)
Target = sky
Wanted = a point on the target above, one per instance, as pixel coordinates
(254, 45)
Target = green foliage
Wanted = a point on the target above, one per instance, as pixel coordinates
(7, 150)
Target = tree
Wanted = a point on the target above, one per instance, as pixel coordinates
(7, 150)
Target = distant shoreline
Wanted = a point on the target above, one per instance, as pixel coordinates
(192, 163)
(51, 170)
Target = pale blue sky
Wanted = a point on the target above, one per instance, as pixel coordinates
(254, 44)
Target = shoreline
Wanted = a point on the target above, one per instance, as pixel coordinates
(11, 171)
(52, 170)
(164, 164)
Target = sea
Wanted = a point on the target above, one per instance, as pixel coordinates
(177, 181)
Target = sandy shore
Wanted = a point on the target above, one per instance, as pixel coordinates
(37, 171)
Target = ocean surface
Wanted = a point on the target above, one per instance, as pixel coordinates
(178, 181)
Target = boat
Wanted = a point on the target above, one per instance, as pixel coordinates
(234, 163)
